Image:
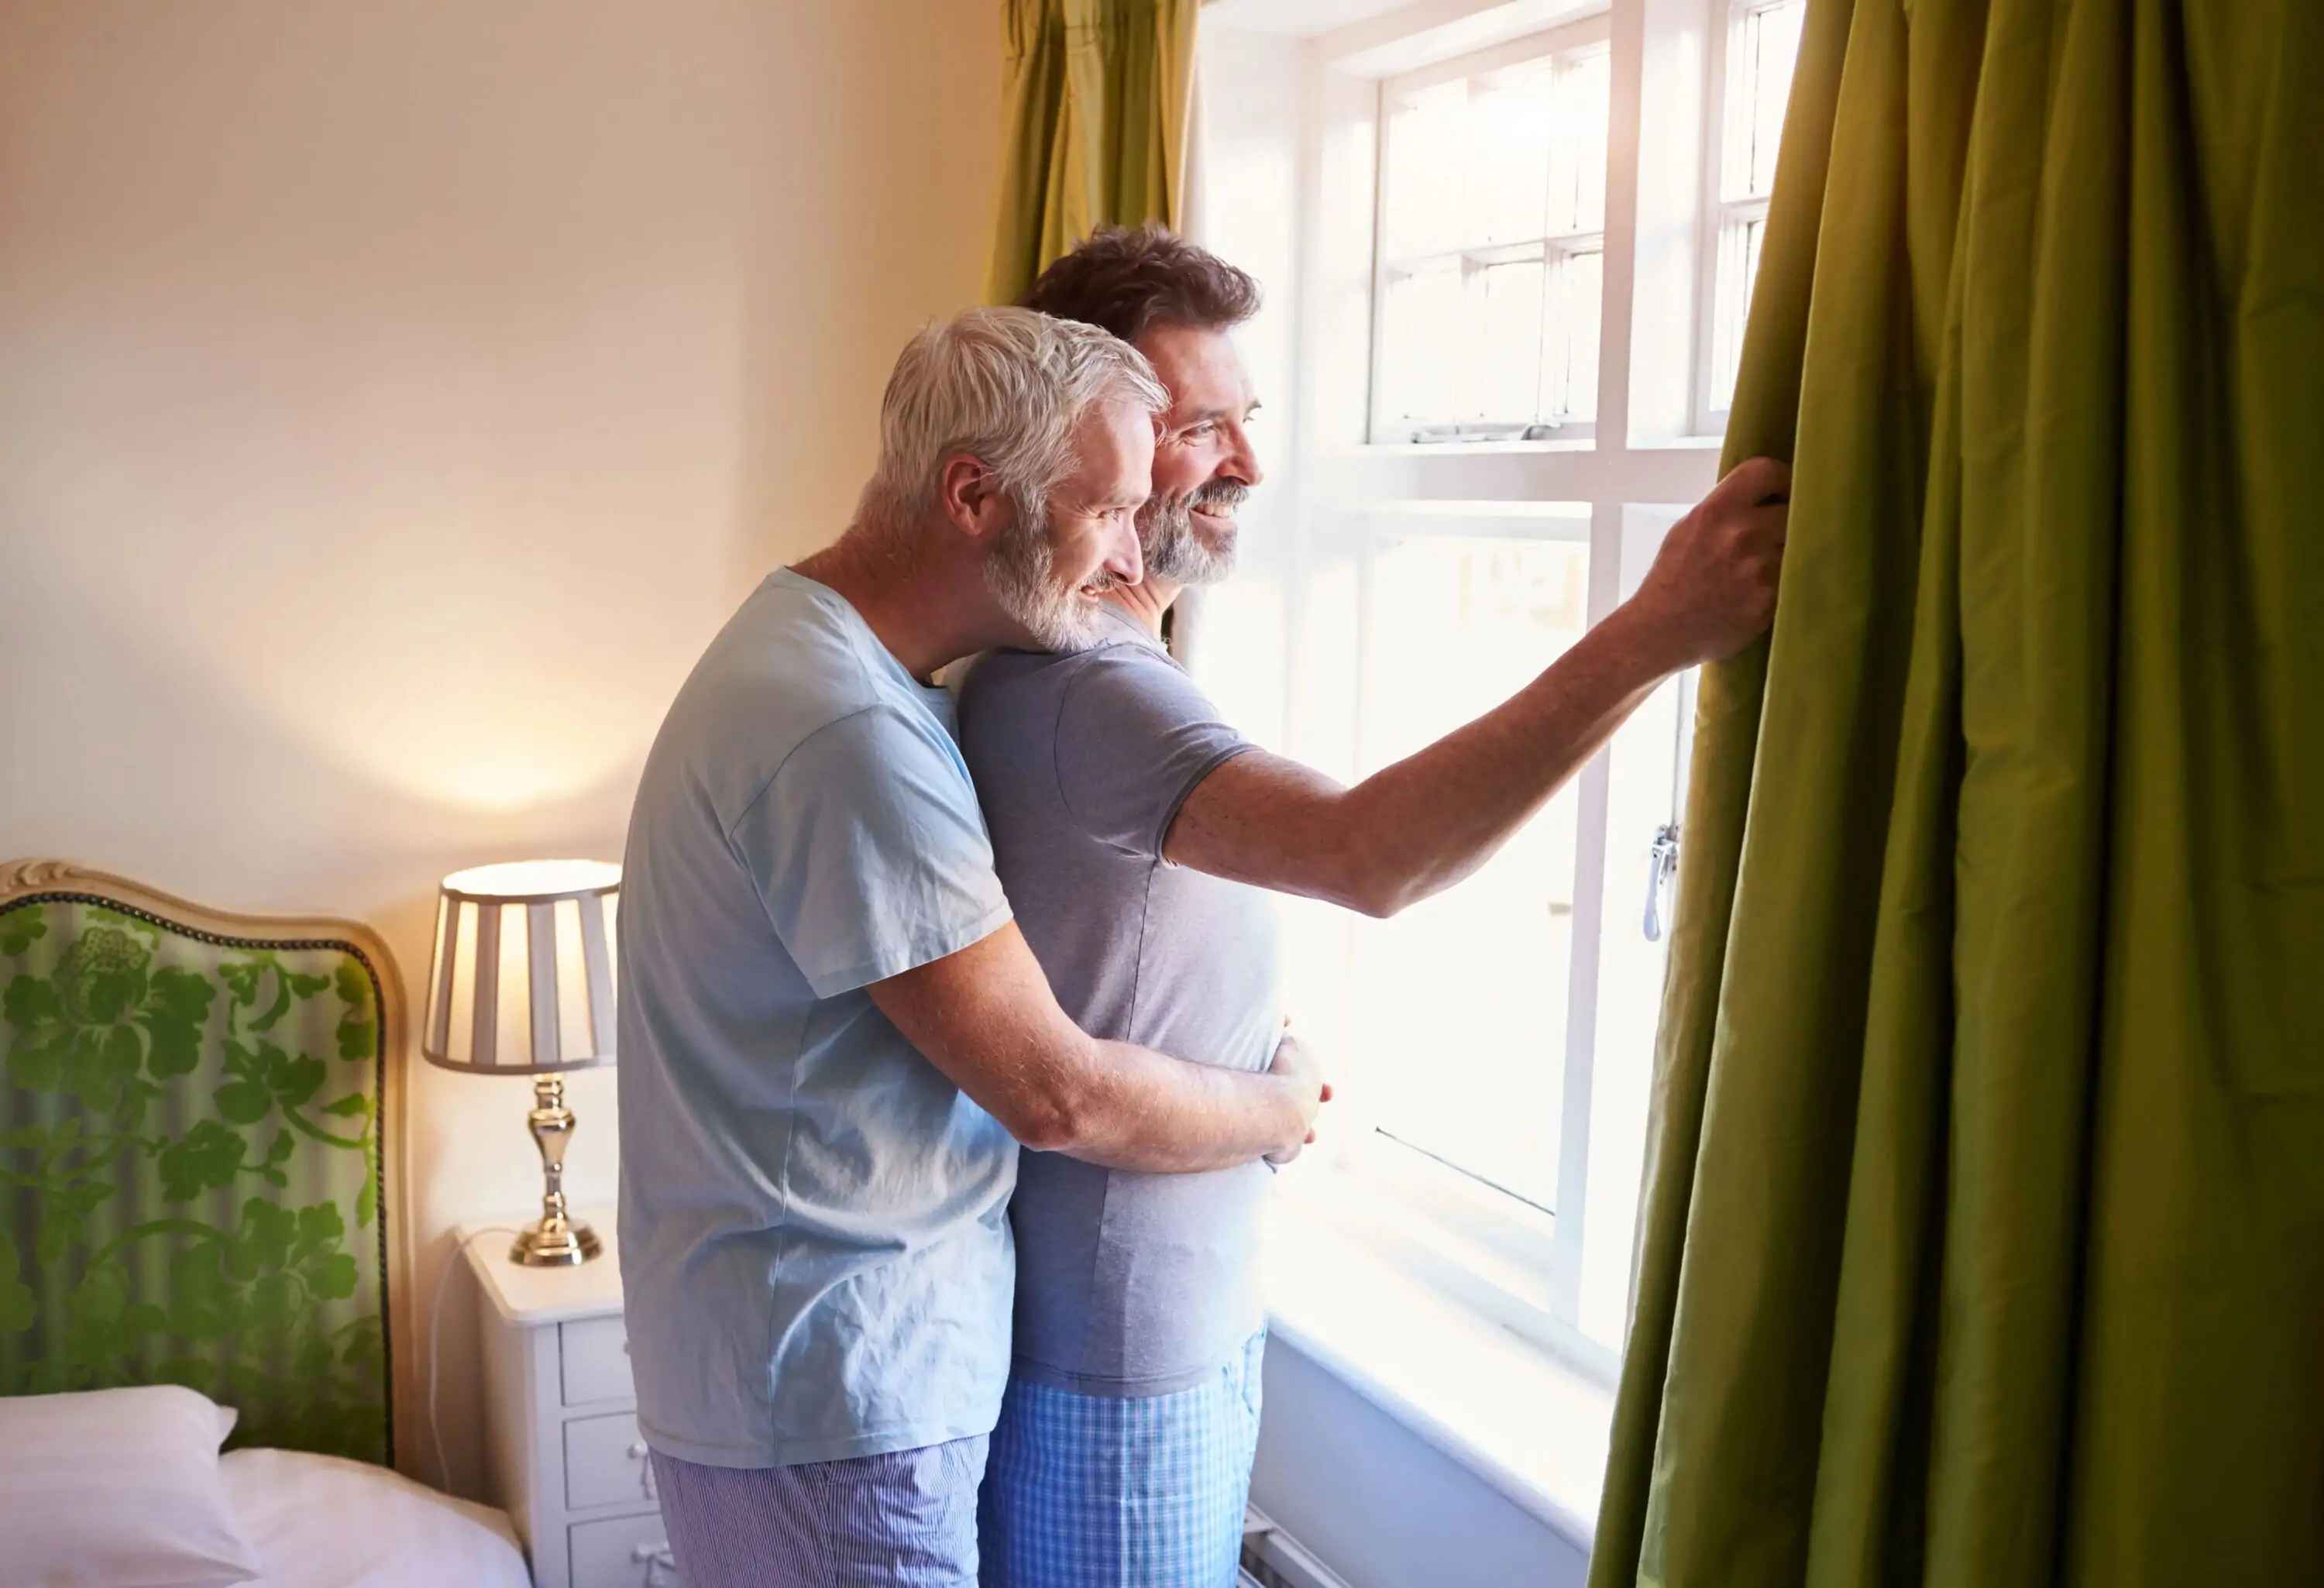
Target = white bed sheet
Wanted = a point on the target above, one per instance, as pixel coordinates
(320, 1521)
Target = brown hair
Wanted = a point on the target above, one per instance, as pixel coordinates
(1128, 281)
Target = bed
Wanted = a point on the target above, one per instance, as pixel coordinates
(202, 1257)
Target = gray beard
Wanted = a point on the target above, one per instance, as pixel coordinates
(1172, 550)
(1021, 572)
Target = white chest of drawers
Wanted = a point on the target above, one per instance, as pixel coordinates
(561, 1436)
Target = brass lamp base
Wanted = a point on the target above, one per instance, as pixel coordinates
(554, 1243)
(558, 1241)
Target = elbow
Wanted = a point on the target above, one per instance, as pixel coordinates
(1386, 900)
(1050, 1120)
(1043, 1133)
(1370, 890)
(1359, 868)
(1381, 886)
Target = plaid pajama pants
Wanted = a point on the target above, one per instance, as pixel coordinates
(1098, 1491)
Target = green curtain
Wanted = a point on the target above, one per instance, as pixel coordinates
(1094, 126)
(1984, 1233)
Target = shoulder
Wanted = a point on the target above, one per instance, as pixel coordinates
(898, 736)
(1011, 692)
(997, 672)
(803, 644)
(1006, 689)
(878, 770)
(783, 653)
(787, 670)
(1133, 683)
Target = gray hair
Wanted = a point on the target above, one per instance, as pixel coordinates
(1006, 386)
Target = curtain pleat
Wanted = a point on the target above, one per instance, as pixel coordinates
(1095, 125)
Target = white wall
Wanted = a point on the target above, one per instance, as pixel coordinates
(1381, 1506)
(394, 398)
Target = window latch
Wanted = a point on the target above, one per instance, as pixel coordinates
(1662, 866)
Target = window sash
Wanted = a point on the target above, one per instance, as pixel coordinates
(1553, 419)
(1561, 46)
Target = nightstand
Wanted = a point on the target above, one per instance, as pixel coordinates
(561, 1434)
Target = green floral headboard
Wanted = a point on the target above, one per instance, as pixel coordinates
(191, 1158)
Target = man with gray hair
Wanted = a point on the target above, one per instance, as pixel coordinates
(833, 1036)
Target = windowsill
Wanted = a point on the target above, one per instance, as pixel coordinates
(1465, 448)
(1660, 443)
(1526, 1422)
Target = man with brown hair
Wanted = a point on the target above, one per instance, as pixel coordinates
(1136, 835)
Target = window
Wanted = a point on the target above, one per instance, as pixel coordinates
(1497, 1038)
(1460, 621)
(1491, 240)
(1471, 488)
(1762, 42)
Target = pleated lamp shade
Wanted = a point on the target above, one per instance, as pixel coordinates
(522, 981)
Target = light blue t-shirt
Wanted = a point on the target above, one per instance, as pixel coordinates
(814, 1247)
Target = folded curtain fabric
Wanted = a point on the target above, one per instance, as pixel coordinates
(1096, 117)
(1983, 1242)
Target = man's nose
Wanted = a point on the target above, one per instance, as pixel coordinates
(1243, 462)
(1125, 559)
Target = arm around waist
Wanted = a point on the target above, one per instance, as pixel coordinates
(986, 1018)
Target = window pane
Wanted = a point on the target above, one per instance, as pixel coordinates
(1570, 366)
(1420, 332)
(1738, 270)
(1578, 203)
(1462, 1001)
(1425, 146)
(1490, 181)
(1510, 117)
(1766, 41)
(1502, 347)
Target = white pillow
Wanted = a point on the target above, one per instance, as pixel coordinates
(117, 1489)
(320, 1521)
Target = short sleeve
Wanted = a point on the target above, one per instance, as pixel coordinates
(869, 853)
(1134, 738)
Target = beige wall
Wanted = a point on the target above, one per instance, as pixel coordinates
(393, 399)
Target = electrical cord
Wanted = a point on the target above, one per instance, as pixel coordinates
(436, 1335)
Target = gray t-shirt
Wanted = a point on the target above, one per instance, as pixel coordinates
(1127, 1284)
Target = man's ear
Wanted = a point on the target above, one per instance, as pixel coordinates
(970, 499)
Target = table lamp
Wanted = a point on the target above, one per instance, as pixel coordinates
(523, 984)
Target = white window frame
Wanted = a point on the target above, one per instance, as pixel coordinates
(1514, 1263)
